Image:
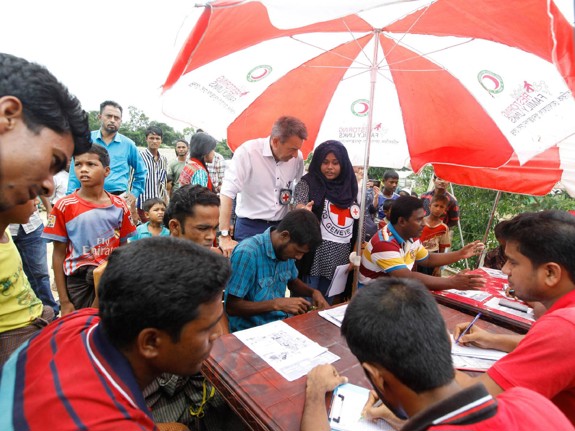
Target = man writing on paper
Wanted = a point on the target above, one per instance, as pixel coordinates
(395, 248)
(396, 332)
(540, 248)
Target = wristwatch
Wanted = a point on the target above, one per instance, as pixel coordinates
(225, 233)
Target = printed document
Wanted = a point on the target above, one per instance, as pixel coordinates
(285, 349)
(334, 315)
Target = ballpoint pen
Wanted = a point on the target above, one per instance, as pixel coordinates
(468, 328)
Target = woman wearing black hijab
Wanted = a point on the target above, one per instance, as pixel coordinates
(329, 190)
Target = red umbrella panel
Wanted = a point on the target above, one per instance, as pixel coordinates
(448, 82)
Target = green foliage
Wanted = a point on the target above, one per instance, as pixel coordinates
(93, 121)
(223, 149)
(376, 173)
(476, 205)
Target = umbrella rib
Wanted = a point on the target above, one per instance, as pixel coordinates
(426, 9)
(326, 51)
(421, 54)
(369, 60)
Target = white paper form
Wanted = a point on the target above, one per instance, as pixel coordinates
(334, 315)
(476, 352)
(338, 280)
(495, 273)
(346, 406)
(477, 295)
(471, 364)
(286, 350)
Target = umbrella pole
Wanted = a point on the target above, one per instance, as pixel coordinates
(459, 226)
(360, 236)
(489, 223)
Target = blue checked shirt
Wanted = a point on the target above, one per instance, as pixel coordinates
(257, 275)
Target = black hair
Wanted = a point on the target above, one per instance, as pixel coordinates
(149, 203)
(202, 144)
(285, 127)
(45, 101)
(395, 323)
(303, 228)
(545, 236)
(102, 154)
(440, 198)
(163, 292)
(110, 103)
(181, 140)
(155, 130)
(498, 229)
(185, 199)
(404, 206)
(390, 173)
(387, 204)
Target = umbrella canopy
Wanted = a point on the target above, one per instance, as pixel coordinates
(449, 82)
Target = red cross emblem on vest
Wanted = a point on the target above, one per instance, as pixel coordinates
(342, 214)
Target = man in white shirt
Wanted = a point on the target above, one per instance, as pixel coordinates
(265, 171)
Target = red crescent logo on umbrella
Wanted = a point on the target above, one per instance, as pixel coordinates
(360, 107)
(490, 81)
(258, 73)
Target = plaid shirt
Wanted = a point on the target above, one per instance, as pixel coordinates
(216, 170)
(258, 275)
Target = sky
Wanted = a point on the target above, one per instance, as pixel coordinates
(120, 50)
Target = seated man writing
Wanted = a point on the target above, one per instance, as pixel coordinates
(262, 267)
(87, 370)
(539, 248)
(394, 250)
(396, 332)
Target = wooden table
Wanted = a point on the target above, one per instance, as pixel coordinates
(495, 288)
(263, 398)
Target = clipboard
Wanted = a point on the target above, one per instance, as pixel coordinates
(345, 412)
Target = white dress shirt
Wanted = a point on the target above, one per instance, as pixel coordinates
(255, 174)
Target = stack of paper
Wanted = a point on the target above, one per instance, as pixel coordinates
(474, 358)
(334, 315)
(286, 350)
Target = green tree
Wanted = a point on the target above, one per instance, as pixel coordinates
(93, 120)
(476, 205)
(135, 126)
(223, 149)
(170, 136)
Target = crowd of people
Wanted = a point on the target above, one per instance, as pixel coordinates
(124, 351)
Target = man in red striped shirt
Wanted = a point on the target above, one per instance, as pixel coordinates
(396, 332)
(158, 313)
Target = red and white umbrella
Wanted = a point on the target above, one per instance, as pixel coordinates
(449, 82)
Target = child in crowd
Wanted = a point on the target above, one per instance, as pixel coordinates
(386, 211)
(21, 312)
(435, 234)
(495, 258)
(86, 227)
(154, 210)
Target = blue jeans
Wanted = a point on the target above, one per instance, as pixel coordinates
(246, 228)
(32, 248)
